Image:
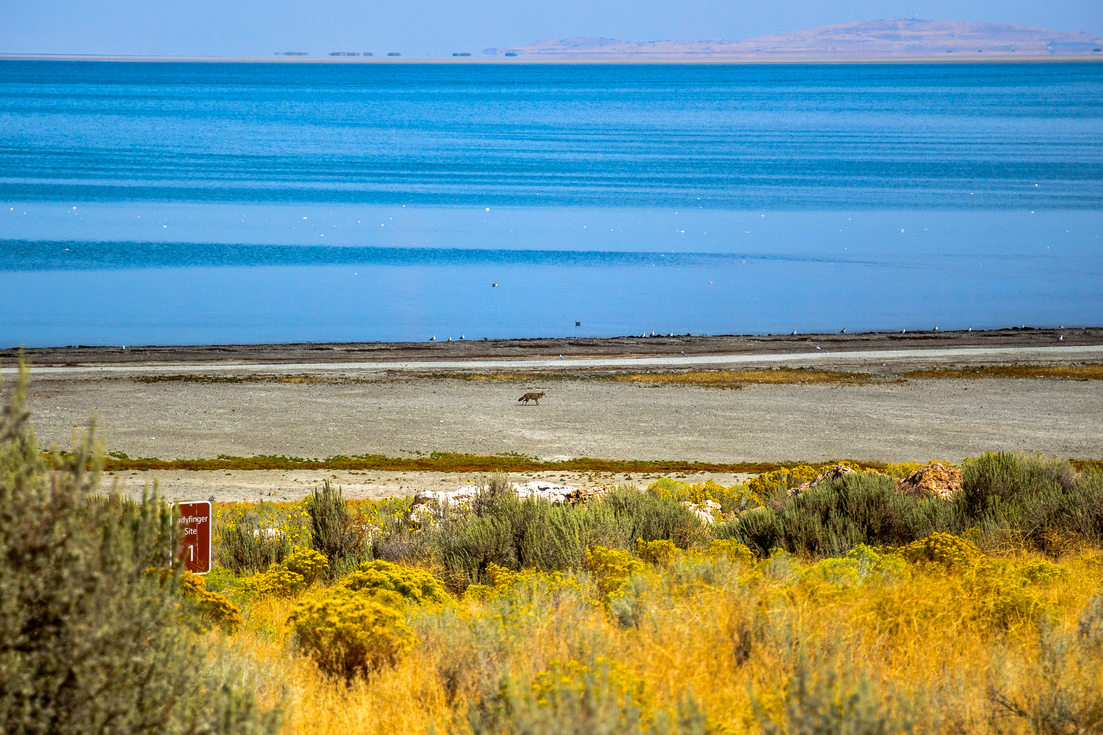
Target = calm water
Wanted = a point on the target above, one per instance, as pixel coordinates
(214, 203)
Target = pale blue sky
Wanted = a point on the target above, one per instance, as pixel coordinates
(436, 28)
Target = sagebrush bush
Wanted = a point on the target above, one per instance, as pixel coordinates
(653, 517)
(837, 515)
(91, 638)
(822, 700)
(334, 530)
(245, 546)
(1042, 500)
(573, 699)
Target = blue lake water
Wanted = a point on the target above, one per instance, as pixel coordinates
(235, 203)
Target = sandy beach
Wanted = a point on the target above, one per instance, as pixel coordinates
(408, 400)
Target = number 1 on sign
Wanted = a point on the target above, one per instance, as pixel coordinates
(191, 553)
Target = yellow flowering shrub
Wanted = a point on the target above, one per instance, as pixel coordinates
(660, 552)
(769, 483)
(861, 565)
(290, 578)
(1003, 597)
(732, 549)
(409, 584)
(731, 499)
(1042, 572)
(210, 607)
(611, 569)
(307, 563)
(350, 634)
(952, 552)
(503, 580)
(999, 593)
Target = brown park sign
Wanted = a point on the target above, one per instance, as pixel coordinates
(196, 520)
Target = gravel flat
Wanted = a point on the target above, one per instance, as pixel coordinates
(368, 410)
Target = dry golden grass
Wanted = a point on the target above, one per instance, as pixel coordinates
(920, 633)
(1063, 372)
(739, 378)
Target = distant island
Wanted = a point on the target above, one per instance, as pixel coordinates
(893, 38)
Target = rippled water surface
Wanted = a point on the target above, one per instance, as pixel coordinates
(214, 203)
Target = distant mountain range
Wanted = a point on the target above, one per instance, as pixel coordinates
(898, 38)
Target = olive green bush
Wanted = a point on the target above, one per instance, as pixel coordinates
(334, 530)
(90, 639)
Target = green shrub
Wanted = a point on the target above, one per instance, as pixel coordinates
(493, 488)
(245, 546)
(1089, 627)
(90, 640)
(334, 531)
(821, 700)
(1042, 500)
(837, 515)
(652, 517)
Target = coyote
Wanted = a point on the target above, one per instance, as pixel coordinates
(531, 397)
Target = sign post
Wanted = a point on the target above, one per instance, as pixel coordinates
(196, 520)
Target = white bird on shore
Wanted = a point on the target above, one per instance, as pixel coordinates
(433, 338)
(844, 331)
(816, 347)
(561, 357)
(794, 333)
(970, 329)
(1061, 338)
(461, 336)
(683, 352)
(936, 329)
(449, 339)
(903, 331)
(494, 285)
